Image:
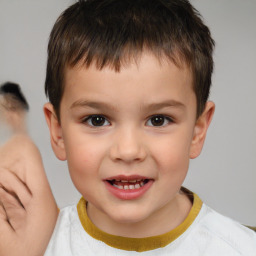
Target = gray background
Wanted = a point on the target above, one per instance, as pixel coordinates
(224, 175)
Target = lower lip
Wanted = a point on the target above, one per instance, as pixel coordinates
(128, 194)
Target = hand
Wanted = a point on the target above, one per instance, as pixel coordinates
(28, 211)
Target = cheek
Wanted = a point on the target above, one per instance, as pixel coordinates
(172, 155)
(84, 158)
(173, 169)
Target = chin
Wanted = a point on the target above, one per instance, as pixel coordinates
(128, 216)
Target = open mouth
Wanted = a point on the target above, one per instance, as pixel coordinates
(128, 187)
(128, 184)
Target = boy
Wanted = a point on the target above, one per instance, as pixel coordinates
(128, 83)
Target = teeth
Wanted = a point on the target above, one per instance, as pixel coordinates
(126, 187)
(137, 186)
(120, 186)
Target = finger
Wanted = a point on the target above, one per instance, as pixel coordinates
(6, 231)
(4, 222)
(15, 186)
(3, 215)
(15, 215)
(8, 236)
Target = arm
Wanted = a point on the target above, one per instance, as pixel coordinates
(28, 211)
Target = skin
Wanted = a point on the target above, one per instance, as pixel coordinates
(128, 142)
(28, 211)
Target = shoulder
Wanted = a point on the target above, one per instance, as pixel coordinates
(225, 233)
(65, 232)
(67, 216)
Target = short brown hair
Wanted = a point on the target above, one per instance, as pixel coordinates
(107, 32)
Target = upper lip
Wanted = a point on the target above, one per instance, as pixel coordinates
(128, 177)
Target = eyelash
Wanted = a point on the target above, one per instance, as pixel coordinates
(88, 120)
(167, 120)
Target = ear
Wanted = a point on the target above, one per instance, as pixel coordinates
(55, 129)
(200, 129)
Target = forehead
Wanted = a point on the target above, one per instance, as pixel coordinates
(142, 79)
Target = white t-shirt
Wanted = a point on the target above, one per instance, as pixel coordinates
(204, 232)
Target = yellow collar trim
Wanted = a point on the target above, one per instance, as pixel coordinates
(138, 244)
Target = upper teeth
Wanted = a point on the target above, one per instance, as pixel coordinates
(125, 187)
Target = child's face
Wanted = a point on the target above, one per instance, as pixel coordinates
(139, 126)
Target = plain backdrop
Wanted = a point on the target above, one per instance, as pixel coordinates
(224, 176)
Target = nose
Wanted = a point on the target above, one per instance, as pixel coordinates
(128, 146)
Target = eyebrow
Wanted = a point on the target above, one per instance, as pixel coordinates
(92, 104)
(104, 105)
(164, 104)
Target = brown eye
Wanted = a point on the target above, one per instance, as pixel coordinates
(159, 120)
(97, 120)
